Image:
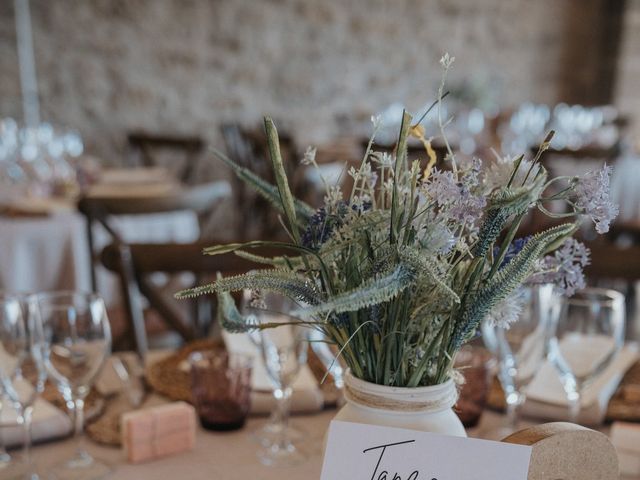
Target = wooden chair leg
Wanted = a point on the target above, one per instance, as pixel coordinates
(169, 314)
(204, 315)
(131, 297)
(92, 258)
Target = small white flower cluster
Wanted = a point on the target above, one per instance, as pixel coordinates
(309, 157)
(447, 60)
(333, 198)
(508, 310)
(501, 171)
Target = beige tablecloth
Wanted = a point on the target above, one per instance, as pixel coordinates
(227, 456)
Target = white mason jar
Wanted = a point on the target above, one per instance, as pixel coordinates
(428, 409)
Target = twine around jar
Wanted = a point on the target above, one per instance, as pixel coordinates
(398, 399)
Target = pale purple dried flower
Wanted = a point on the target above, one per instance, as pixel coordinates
(456, 200)
(593, 197)
(468, 208)
(564, 267)
(443, 187)
(472, 170)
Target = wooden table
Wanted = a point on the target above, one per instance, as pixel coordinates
(225, 456)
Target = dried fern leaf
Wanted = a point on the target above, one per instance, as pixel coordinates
(372, 292)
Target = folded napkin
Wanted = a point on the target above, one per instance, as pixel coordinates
(48, 423)
(547, 399)
(306, 396)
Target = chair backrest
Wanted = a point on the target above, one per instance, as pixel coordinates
(249, 149)
(198, 199)
(134, 263)
(147, 150)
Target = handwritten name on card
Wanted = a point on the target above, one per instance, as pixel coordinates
(368, 452)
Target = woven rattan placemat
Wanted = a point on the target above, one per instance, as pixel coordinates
(168, 378)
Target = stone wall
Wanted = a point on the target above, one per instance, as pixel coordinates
(185, 66)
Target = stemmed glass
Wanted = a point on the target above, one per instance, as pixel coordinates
(77, 334)
(21, 367)
(587, 334)
(5, 458)
(252, 306)
(284, 351)
(520, 349)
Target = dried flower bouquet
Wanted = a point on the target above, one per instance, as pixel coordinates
(400, 272)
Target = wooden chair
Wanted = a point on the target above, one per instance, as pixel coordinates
(611, 261)
(146, 149)
(134, 263)
(135, 283)
(248, 148)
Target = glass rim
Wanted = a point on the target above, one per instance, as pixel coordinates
(6, 297)
(61, 294)
(586, 296)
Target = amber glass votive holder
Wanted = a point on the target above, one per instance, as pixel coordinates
(475, 363)
(221, 388)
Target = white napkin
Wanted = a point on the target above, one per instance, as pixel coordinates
(306, 396)
(547, 399)
(48, 423)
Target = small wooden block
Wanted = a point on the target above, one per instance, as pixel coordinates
(565, 451)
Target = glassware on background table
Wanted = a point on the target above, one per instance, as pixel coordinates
(587, 334)
(284, 352)
(476, 364)
(21, 369)
(520, 350)
(221, 388)
(78, 339)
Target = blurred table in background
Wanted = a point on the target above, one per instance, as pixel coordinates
(43, 253)
(51, 252)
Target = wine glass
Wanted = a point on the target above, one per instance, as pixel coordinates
(5, 458)
(21, 367)
(252, 305)
(77, 334)
(284, 352)
(520, 349)
(587, 334)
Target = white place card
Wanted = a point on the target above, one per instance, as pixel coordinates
(367, 452)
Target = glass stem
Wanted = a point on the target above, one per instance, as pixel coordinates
(513, 404)
(283, 397)
(4, 456)
(26, 418)
(78, 420)
(574, 405)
